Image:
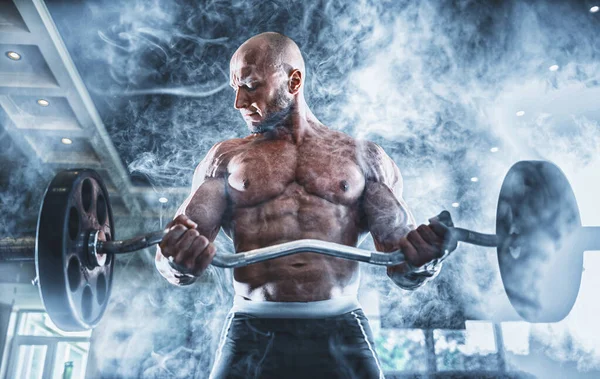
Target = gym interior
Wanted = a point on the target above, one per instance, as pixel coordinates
(456, 92)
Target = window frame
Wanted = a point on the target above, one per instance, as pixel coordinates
(51, 343)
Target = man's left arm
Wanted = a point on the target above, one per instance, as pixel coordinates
(393, 226)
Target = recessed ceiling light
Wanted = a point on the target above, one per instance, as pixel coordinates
(494, 149)
(474, 179)
(554, 67)
(43, 102)
(594, 9)
(520, 113)
(13, 55)
(455, 205)
(163, 200)
(66, 141)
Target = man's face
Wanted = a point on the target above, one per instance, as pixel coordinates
(261, 91)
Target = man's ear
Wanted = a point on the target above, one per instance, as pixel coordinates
(295, 82)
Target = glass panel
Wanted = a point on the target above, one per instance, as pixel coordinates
(30, 361)
(71, 357)
(464, 350)
(516, 337)
(39, 324)
(401, 349)
(448, 355)
(479, 338)
(480, 346)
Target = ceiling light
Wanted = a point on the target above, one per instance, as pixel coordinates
(474, 179)
(520, 113)
(163, 200)
(554, 67)
(594, 9)
(494, 149)
(43, 102)
(455, 205)
(66, 141)
(13, 55)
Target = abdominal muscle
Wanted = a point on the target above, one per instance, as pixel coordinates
(300, 277)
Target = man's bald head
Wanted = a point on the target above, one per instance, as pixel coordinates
(272, 49)
(267, 74)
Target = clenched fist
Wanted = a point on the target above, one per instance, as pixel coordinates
(189, 252)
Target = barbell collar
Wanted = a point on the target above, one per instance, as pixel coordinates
(96, 257)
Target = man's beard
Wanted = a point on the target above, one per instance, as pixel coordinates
(283, 104)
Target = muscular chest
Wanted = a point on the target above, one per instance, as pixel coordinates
(275, 169)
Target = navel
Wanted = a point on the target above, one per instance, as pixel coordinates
(246, 184)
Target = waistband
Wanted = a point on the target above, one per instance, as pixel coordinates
(311, 309)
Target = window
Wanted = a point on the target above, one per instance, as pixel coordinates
(401, 349)
(39, 350)
(474, 349)
(465, 350)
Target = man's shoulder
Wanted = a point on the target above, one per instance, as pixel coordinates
(336, 139)
(226, 146)
(216, 160)
(376, 163)
(366, 148)
(337, 135)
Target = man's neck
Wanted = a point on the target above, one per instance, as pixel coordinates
(299, 122)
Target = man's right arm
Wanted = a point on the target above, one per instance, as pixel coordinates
(196, 223)
(391, 223)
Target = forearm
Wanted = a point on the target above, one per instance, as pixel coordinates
(392, 225)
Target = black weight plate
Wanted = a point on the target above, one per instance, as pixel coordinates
(74, 292)
(536, 223)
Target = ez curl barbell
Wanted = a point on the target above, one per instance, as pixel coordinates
(539, 240)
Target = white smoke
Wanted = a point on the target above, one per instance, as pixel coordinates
(437, 84)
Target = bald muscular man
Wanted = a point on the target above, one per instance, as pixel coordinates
(294, 178)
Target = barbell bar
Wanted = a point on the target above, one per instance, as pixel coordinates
(537, 223)
(15, 249)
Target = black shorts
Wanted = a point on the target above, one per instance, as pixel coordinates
(330, 347)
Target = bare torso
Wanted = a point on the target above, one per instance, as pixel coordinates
(279, 191)
(294, 179)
